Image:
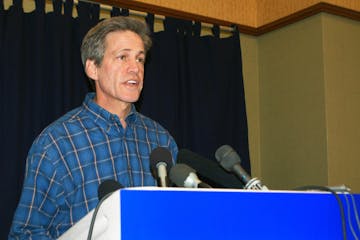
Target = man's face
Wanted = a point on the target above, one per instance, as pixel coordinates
(119, 78)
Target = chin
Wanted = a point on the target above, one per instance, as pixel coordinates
(131, 99)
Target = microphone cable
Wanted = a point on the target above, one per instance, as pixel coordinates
(356, 211)
(93, 218)
(106, 188)
(341, 207)
(349, 215)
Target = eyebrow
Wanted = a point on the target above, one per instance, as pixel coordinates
(130, 50)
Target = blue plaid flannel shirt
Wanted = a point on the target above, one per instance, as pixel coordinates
(72, 156)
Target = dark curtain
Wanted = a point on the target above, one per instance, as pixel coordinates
(41, 78)
(193, 85)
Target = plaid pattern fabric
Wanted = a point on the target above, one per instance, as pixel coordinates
(72, 156)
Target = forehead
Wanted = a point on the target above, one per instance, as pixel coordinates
(123, 40)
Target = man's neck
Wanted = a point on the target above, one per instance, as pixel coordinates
(121, 109)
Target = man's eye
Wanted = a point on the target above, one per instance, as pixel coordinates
(122, 57)
(141, 60)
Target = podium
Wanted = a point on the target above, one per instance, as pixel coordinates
(179, 213)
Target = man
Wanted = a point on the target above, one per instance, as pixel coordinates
(105, 138)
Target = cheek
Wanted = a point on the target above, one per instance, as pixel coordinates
(141, 72)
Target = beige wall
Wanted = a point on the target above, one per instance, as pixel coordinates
(306, 125)
(292, 117)
(250, 57)
(341, 44)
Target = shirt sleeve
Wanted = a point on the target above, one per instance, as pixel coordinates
(37, 206)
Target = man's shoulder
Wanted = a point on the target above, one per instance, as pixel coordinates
(71, 117)
(67, 124)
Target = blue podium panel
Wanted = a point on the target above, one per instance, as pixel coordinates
(173, 213)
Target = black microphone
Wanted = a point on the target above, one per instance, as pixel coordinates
(184, 176)
(108, 186)
(105, 189)
(160, 164)
(208, 170)
(230, 161)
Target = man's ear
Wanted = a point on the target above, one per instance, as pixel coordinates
(91, 69)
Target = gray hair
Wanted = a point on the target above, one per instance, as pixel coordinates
(93, 44)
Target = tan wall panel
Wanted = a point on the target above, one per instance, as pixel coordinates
(341, 68)
(250, 57)
(292, 115)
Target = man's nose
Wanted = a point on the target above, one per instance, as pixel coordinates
(133, 66)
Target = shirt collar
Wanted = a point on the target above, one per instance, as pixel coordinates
(104, 117)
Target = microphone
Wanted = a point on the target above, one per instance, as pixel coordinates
(208, 170)
(108, 186)
(184, 176)
(160, 164)
(230, 161)
(104, 191)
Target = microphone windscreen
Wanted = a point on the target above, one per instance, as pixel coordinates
(208, 170)
(108, 186)
(160, 155)
(179, 173)
(227, 157)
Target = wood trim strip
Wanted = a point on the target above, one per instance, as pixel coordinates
(255, 31)
(308, 12)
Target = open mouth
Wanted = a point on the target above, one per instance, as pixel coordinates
(132, 82)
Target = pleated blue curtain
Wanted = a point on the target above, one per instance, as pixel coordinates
(194, 86)
(41, 78)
